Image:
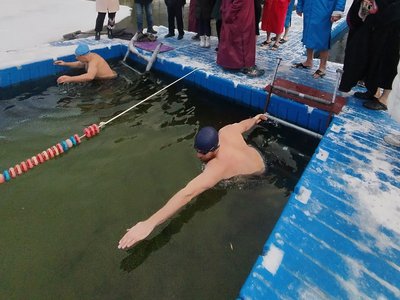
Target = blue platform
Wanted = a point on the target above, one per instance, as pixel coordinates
(339, 234)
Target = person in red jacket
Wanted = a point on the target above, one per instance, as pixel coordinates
(273, 20)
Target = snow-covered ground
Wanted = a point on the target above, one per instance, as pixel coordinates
(26, 24)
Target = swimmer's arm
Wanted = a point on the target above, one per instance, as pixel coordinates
(195, 187)
(74, 64)
(201, 183)
(88, 76)
(247, 124)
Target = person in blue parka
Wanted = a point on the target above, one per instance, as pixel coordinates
(318, 18)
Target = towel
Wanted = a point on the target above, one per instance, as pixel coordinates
(151, 46)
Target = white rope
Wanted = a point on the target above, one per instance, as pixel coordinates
(102, 124)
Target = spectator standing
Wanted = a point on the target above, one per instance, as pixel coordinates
(288, 22)
(103, 7)
(372, 50)
(203, 20)
(144, 6)
(317, 23)
(216, 15)
(174, 10)
(237, 46)
(192, 24)
(273, 20)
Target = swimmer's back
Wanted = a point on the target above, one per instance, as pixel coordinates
(104, 71)
(236, 155)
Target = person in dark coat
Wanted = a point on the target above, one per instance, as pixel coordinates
(237, 46)
(203, 20)
(174, 10)
(372, 50)
(140, 6)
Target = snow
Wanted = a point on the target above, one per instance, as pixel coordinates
(303, 195)
(272, 259)
(29, 24)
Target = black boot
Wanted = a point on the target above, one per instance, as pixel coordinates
(97, 36)
(109, 33)
(151, 30)
(110, 27)
(365, 96)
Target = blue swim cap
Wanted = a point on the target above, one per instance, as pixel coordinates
(206, 140)
(82, 49)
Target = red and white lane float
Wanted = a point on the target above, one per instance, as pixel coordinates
(50, 153)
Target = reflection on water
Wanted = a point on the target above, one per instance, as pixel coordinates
(62, 221)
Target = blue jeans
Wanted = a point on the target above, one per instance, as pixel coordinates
(139, 15)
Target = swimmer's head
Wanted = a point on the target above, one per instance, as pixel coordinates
(206, 140)
(82, 49)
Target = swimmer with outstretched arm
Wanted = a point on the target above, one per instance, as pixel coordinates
(226, 155)
(96, 67)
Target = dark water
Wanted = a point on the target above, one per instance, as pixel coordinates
(61, 222)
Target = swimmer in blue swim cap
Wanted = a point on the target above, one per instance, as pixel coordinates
(226, 155)
(206, 142)
(96, 67)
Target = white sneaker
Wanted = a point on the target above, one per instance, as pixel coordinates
(202, 41)
(393, 140)
(207, 42)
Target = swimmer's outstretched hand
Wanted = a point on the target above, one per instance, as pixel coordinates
(59, 63)
(63, 79)
(260, 117)
(135, 234)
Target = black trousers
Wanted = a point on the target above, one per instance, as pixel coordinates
(203, 27)
(100, 21)
(257, 12)
(218, 25)
(175, 11)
